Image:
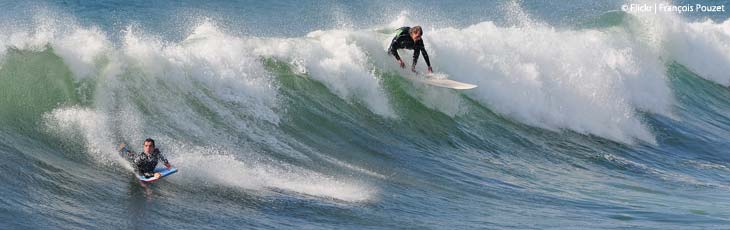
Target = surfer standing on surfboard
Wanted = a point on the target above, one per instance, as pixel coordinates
(146, 161)
(409, 38)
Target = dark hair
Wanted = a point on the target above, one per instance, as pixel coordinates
(150, 140)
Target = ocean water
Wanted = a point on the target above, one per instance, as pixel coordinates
(290, 115)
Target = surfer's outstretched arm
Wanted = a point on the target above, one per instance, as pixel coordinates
(393, 50)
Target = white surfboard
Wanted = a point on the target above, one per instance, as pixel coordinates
(438, 79)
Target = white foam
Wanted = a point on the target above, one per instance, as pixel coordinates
(146, 85)
(334, 58)
(587, 81)
(89, 125)
(203, 165)
(81, 50)
(703, 47)
(251, 174)
(403, 19)
(79, 47)
(25, 40)
(211, 58)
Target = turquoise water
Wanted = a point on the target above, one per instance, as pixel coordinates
(290, 115)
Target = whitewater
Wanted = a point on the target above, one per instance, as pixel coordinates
(292, 115)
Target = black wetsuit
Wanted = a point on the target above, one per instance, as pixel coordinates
(403, 40)
(146, 164)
